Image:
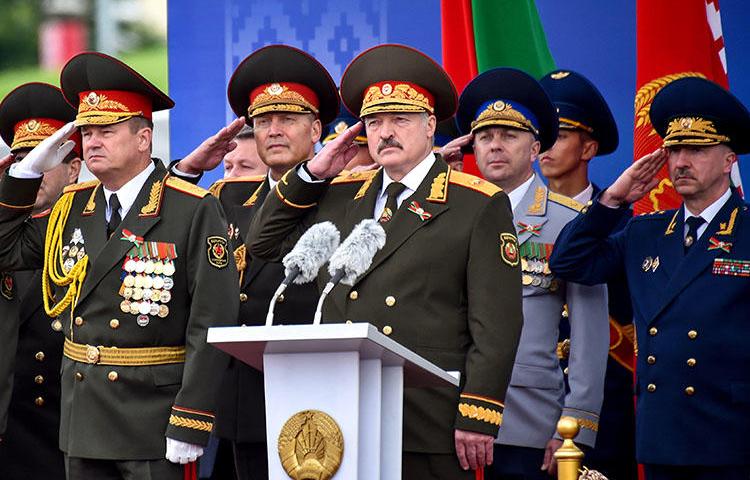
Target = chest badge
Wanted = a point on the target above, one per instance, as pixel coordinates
(417, 210)
(650, 264)
(715, 244)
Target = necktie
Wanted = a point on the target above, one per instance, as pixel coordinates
(114, 216)
(693, 224)
(392, 191)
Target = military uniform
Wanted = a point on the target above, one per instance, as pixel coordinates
(446, 283)
(9, 330)
(691, 419)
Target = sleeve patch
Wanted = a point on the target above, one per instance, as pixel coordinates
(217, 251)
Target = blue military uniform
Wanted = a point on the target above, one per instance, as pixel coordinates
(689, 295)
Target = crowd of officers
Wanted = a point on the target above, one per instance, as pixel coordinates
(538, 289)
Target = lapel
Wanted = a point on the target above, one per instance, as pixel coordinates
(669, 245)
(404, 223)
(244, 218)
(723, 227)
(94, 225)
(531, 210)
(114, 249)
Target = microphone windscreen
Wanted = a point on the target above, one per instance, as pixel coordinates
(312, 250)
(356, 252)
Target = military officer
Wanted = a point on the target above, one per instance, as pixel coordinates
(243, 160)
(691, 415)
(29, 114)
(285, 94)
(136, 265)
(587, 130)
(446, 284)
(362, 161)
(510, 119)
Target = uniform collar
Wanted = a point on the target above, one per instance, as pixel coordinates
(128, 192)
(517, 194)
(414, 178)
(585, 195)
(710, 212)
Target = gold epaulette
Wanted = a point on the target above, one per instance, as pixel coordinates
(351, 177)
(651, 213)
(186, 187)
(81, 186)
(565, 201)
(218, 185)
(474, 183)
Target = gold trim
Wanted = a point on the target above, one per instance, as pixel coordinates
(439, 188)
(482, 399)
(17, 207)
(253, 198)
(503, 114)
(91, 202)
(565, 201)
(480, 413)
(279, 98)
(590, 424)
(311, 446)
(727, 229)
(399, 97)
(570, 123)
(191, 423)
(539, 205)
(672, 223)
(153, 200)
(123, 356)
(283, 198)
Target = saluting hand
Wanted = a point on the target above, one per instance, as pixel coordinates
(6, 162)
(332, 158)
(50, 152)
(636, 181)
(212, 151)
(452, 150)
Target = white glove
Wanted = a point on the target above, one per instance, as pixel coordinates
(181, 452)
(49, 153)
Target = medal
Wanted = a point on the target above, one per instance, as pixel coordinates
(69, 264)
(149, 269)
(148, 282)
(165, 296)
(81, 254)
(536, 281)
(130, 265)
(158, 268)
(65, 250)
(169, 269)
(163, 311)
(168, 283)
(546, 281)
(140, 266)
(137, 293)
(144, 308)
(128, 281)
(125, 306)
(135, 307)
(127, 293)
(526, 279)
(155, 295)
(158, 283)
(73, 251)
(142, 320)
(140, 281)
(154, 309)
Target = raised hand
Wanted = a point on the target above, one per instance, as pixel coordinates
(636, 181)
(452, 150)
(212, 151)
(332, 158)
(6, 162)
(50, 152)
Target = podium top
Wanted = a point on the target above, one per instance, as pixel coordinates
(249, 344)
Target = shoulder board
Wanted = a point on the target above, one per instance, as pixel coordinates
(42, 214)
(218, 185)
(655, 214)
(351, 177)
(81, 186)
(185, 187)
(474, 183)
(565, 201)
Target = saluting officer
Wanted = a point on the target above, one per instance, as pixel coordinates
(688, 273)
(137, 267)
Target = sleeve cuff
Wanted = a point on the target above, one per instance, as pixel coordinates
(190, 426)
(19, 193)
(479, 414)
(588, 423)
(307, 176)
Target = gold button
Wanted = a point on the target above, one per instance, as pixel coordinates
(652, 331)
(243, 297)
(79, 376)
(565, 371)
(387, 330)
(651, 387)
(651, 359)
(39, 401)
(39, 379)
(689, 391)
(691, 362)
(281, 298)
(353, 295)
(112, 376)
(39, 356)
(692, 334)
(79, 321)
(348, 321)
(390, 300)
(114, 323)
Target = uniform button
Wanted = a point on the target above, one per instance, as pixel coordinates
(390, 300)
(79, 321)
(79, 376)
(387, 330)
(353, 295)
(39, 356)
(692, 334)
(114, 324)
(653, 331)
(39, 401)
(243, 297)
(651, 359)
(565, 371)
(39, 379)
(280, 299)
(691, 362)
(689, 391)
(651, 387)
(348, 321)
(112, 376)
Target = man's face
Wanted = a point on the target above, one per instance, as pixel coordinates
(399, 140)
(285, 139)
(505, 155)
(571, 148)
(111, 151)
(54, 181)
(695, 170)
(244, 160)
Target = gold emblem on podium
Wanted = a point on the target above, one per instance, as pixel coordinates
(311, 446)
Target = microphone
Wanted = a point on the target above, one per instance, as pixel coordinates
(352, 258)
(302, 263)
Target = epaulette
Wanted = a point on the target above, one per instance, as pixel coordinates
(218, 185)
(351, 177)
(474, 183)
(185, 187)
(81, 186)
(565, 201)
(653, 214)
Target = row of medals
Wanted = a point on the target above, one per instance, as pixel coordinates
(536, 273)
(72, 254)
(146, 288)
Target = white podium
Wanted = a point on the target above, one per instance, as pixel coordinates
(352, 372)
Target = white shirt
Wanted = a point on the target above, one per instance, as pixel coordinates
(271, 182)
(517, 194)
(128, 192)
(585, 195)
(411, 181)
(707, 214)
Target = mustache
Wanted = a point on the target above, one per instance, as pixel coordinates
(683, 172)
(388, 142)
